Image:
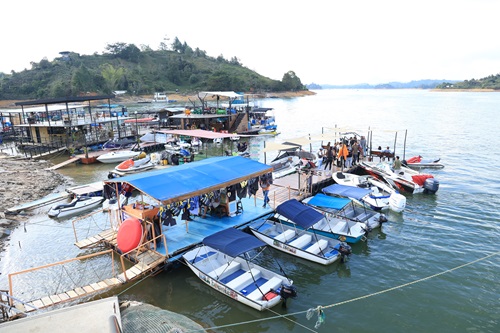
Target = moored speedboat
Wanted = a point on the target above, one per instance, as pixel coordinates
(302, 243)
(337, 208)
(219, 264)
(118, 156)
(77, 205)
(135, 165)
(417, 162)
(367, 190)
(404, 179)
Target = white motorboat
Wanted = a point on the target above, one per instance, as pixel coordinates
(304, 243)
(177, 145)
(220, 264)
(418, 162)
(376, 194)
(135, 165)
(290, 160)
(404, 179)
(118, 156)
(339, 209)
(77, 205)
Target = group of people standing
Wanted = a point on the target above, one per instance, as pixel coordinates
(345, 153)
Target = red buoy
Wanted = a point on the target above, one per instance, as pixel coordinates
(129, 234)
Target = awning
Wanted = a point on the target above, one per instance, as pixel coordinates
(273, 146)
(347, 191)
(141, 120)
(299, 213)
(229, 94)
(196, 178)
(233, 242)
(325, 201)
(199, 133)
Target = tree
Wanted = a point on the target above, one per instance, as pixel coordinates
(111, 76)
(177, 45)
(82, 80)
(291, 81)
(116, 48)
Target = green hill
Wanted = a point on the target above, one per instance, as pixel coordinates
(126, 67)
(490, 82)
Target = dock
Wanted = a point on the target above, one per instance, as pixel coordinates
(60, 165)
(51, 198)
(161, 252)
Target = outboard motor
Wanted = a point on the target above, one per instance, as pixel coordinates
(431, 185)
(382, 218)
(287, 291)
(344, 250)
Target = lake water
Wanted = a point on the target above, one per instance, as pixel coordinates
(425, 271)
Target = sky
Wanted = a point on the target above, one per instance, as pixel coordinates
(325, 42)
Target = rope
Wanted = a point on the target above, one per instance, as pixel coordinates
(348, 301)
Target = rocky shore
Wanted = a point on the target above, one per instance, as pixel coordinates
(22, 181)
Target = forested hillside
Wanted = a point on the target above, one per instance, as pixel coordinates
(138, 71)
(490, 82)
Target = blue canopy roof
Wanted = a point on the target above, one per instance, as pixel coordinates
(299, 213)
(196, 178)
(347, 191)
(326, 201)
(233, 242)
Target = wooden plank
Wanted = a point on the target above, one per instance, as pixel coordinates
(79, 291)
(95, 286)
(112, 281)
(47, 301)
(37, 303)
(83, 243)
(63, 297)
(131, 274)
(88, 289)
(55, 299)
(20, 307)
(72, 294)
(136, 270)
(94, 240)
(122, 278)
(102, 284)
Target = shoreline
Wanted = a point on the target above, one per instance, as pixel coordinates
(10, 104)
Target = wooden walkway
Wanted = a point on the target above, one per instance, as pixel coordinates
(296, 186)
(144, 262)
(68, 161)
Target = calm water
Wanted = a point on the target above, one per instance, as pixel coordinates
(436, 233)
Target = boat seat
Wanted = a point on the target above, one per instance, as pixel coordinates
(285, 236)
(272, 283)
(301, 241)
(243, 280)
(316, 248)
(225, 270)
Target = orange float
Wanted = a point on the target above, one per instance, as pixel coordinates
(129, 235)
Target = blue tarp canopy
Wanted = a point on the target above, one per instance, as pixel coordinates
(233, 242)
(347, 191)
(326, 201)
(191, 179)
(299, 213)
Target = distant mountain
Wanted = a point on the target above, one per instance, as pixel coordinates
(419, 84)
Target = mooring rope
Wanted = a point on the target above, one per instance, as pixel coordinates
(350, 300)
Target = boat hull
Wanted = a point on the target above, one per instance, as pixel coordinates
(117, 156)
(321, 250)
(231, 277)
(63, 210)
